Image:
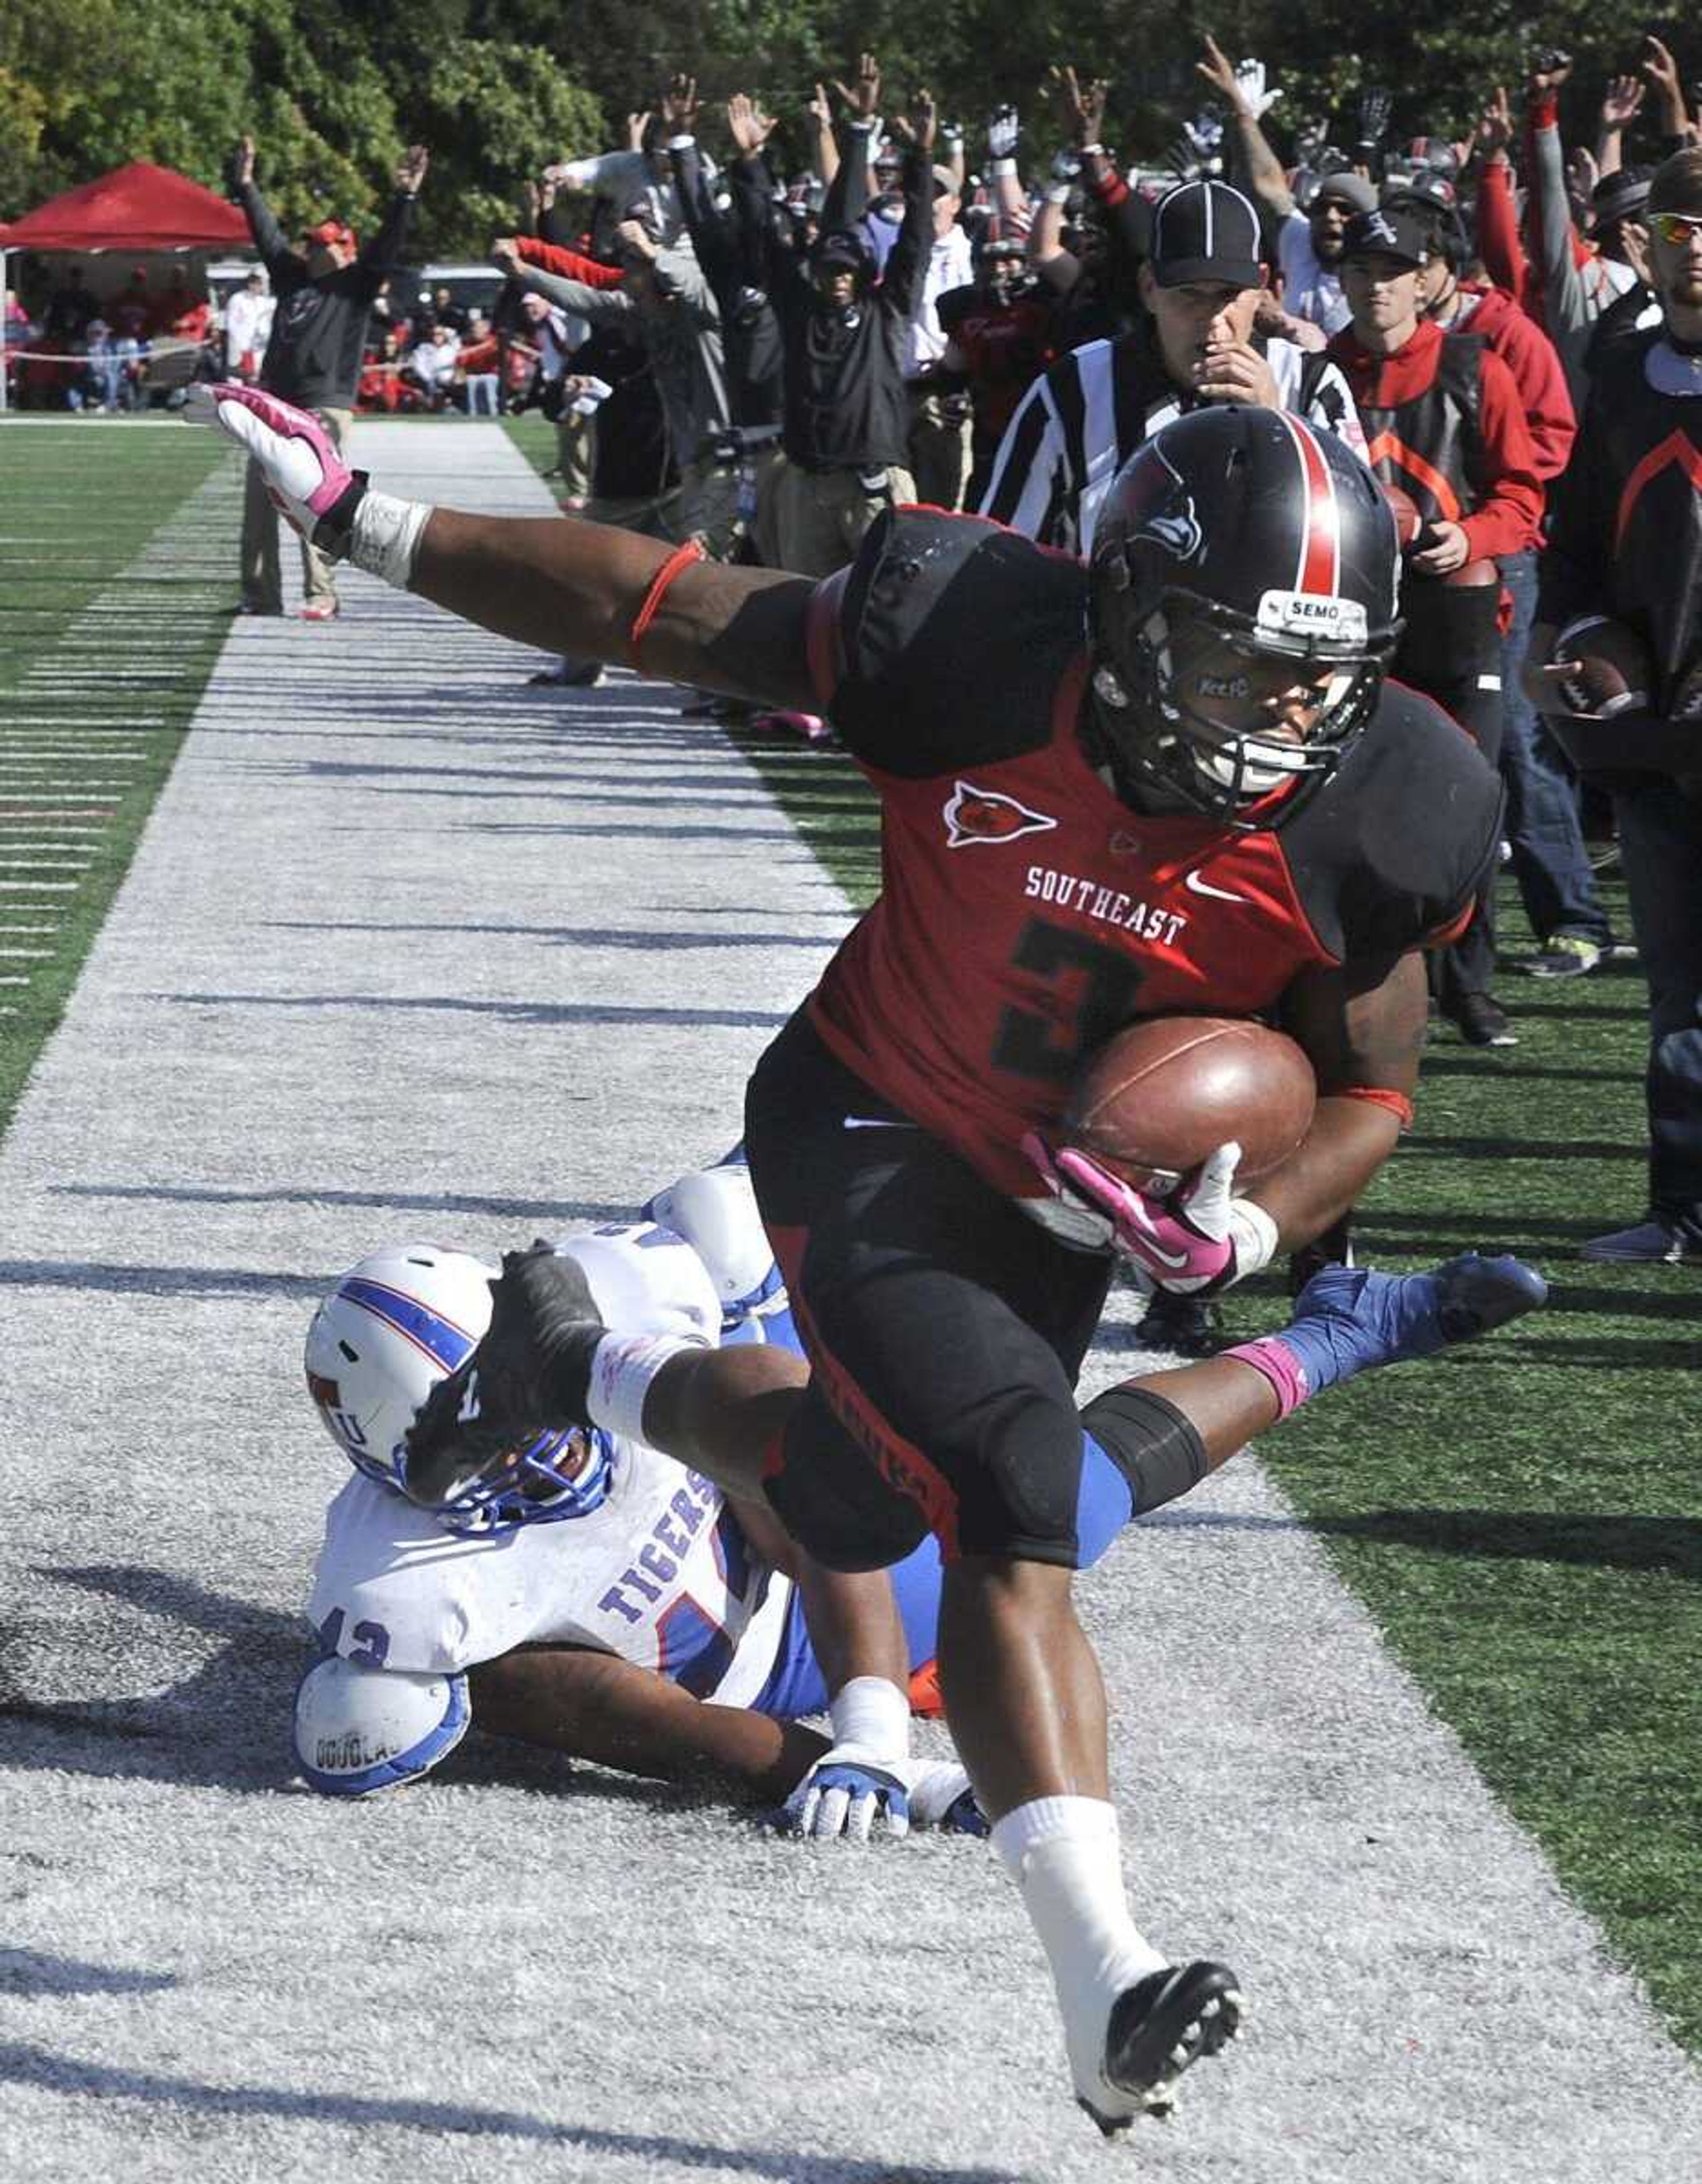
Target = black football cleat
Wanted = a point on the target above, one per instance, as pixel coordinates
(529, 1372)
(1160, 2026)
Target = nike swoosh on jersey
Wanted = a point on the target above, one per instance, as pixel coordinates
(1196, 885)
(876, 1123)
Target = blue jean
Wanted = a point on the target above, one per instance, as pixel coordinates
(1661, 847)
(1550, 864)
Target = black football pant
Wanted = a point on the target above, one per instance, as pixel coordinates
(945, 1331)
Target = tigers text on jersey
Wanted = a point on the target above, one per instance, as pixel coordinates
(1026, 911)
(660, 1575)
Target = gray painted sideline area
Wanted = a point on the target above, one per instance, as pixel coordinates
(408, 949)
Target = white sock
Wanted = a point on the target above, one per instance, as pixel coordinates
(622, 1368)
(1063, 1854)
(384, 538)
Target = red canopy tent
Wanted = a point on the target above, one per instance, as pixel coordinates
(139, 207)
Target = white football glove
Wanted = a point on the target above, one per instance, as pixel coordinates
(1250, 80)
(846, 1791)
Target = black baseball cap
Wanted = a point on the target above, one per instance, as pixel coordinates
(1621, 196)
(1389, 231)
(1204, 231)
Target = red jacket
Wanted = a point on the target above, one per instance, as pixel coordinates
(570, 264)
(1535, 363)
(1498, 240)
(1508, 510)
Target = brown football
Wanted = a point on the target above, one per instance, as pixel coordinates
(1615, 673)
(1404, 509)
(1158, 1097)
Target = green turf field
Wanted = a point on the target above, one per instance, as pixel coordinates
(1525, 1520)
(117, 579)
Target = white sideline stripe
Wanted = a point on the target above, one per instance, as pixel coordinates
(206, 1136)
(25, 955)
(39, 887)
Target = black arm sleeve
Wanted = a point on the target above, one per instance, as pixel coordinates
(382, 255)
(711, 234)
(269, 238)
(848, 192)
(907, 268)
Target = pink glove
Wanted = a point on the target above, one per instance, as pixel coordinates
(314, 488)
(1199, 1238)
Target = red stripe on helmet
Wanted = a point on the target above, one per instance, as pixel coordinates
(1320, 527)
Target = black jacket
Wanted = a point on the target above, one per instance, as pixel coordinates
(320, 329)
(846, 407)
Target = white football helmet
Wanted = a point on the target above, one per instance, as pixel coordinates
(394, 1326)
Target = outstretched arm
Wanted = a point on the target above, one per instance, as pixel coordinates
(594, 1706)
(566, 586)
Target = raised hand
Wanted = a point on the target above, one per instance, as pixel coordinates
(1250, 78)
(862, 97)
(819, 112)
(678, 106)
(410, 169)
(636, 125)
(1550, 72)
(244, 164)
(1004, 131)
(1079, 106)
(1495, 126)
(748, 125)
(1623, 101)
(1219, 71)
(921, 131)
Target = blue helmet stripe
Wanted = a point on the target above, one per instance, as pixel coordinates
(440, 1339)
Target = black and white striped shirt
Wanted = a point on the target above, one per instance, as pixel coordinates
(1079, 424)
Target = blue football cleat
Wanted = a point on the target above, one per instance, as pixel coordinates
(1350, 1318)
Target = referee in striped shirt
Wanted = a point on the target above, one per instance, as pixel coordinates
(1079, 424)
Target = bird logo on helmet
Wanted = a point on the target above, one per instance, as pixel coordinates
(1244, 582)
(394, 1326)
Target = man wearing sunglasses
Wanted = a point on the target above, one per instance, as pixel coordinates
(1625, 547)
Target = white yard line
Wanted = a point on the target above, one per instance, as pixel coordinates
(342, 1000)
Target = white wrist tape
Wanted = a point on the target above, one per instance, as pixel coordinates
(870, 1712)
(1254, 1235)
(1003, 166)
(384, 538)
(622, 1368)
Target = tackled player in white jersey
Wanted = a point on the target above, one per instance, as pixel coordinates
(604, 1600)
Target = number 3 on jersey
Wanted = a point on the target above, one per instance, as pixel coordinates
(1096, 988)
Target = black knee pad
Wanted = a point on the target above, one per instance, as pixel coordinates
(1022, 1483)
(1157, 1449)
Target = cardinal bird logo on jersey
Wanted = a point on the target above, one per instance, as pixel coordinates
(1160, 506)
(983, 815)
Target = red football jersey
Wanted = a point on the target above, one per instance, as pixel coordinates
(1027, 912)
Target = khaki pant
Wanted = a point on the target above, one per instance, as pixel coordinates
(821, 516)
(574, 449)
(262, 578)
(939, 452)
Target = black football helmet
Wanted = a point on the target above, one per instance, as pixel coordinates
(1248, 539)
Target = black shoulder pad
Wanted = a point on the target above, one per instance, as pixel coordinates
(955, 635)
(1396, 845)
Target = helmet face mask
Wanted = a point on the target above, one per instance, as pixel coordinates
(1243, 606)
(395, 1325)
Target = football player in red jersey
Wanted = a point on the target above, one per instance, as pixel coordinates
(1170, 782)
